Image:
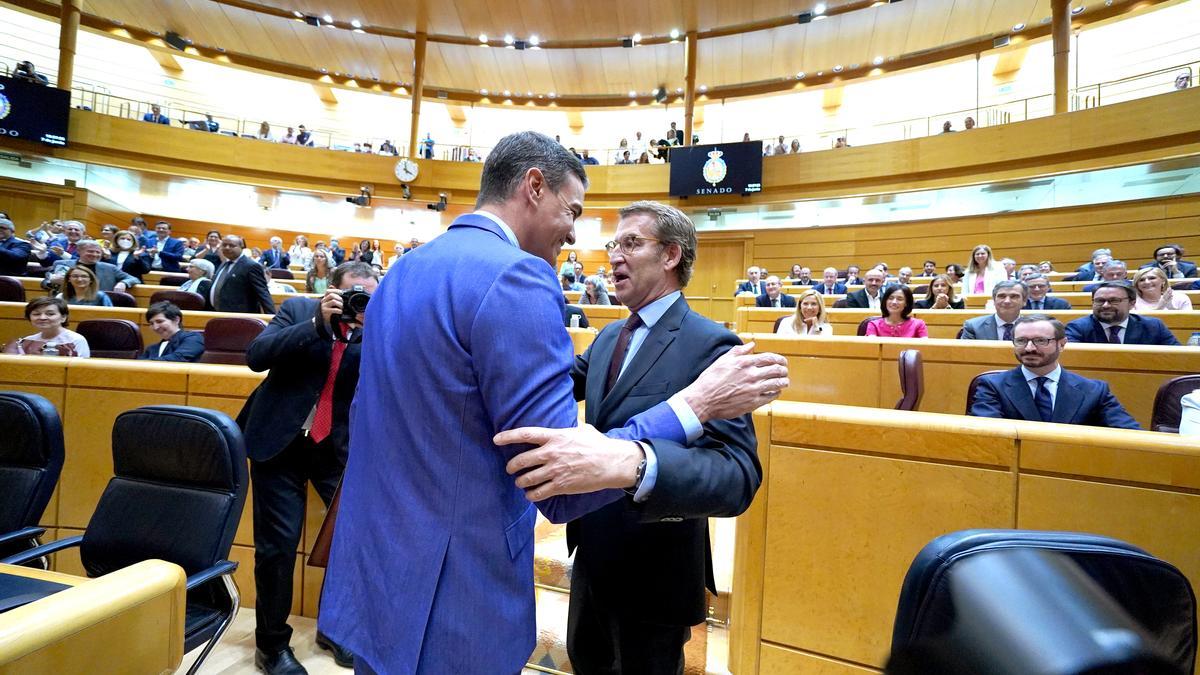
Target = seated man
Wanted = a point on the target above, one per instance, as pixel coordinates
(929, 269)
(14, 252)
(904, 274)
(1008, 297)
(108, 276)
(830, 284)
(1039, 390)
(852, 275)
(155, 115)
(1026, 271)
(1115, 270)
(177, 344)
(61, 246)
(1169, 258)
(275, 286)
(753, 283)
(867, 297)
(1091, 271)
(1039, 298)
(1111, 321)
(774, 297)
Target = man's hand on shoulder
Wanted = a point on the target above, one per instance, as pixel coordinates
(570, 461)
(737, 383)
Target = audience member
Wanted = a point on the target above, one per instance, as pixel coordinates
(904, 275)
(1008, 297)
(167, 252)
(1115, 270)
(300, 252)
(238, 284)
(644, 158)
(318, 278)
(1112, 323)
(868, 297)
(82, 289)
(896, 318)
(594, 291)
(624, 158)
(569, 264)
(1039, 287)
(179, 345)
(413, 244)
(61, 246)
(110, 278)
(211, 250)
(955, 272)
(1091, 271)
(155, 115)
(1189, 423)
(830, 284)
(774, 295)
(1025, 271)
(1040, 390)
(794, 148)
(304, 137)
(983, 272)
(969, 123)
(25, 70)
(108, 233)
(852, 276)
(809, 320)
(588, 159)
(275, 257)
(1010, 267)
(189, 250)
(274, 286)
(801, 275)
(638, 147)
(200, 274)
(289, 137)
(363, 253)
(780, 148)
(50, 317)
(427, 146)
(14, 252)
(1154, 292)
(929, 269)
(675, 134)
(264, 132)
(947, 127)
(388, 148)
(1169, 258)
(337, 252)
(940, 295)
(753, 283)
(578, 271)
(840, 142)
(1045, 267)
(397, 253)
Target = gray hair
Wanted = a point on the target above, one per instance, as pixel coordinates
(597, 282)
(6, 223)
(515, 155)
(671, 226)
(1101, 251)
(204, 266)
(87, 242)
(1010, 283)
(1118, 263)
(1060, 331)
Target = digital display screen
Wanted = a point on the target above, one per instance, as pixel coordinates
(723, 169)
(33, 112)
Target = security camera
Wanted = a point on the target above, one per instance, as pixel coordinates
(363, 198)
(440, 205)
(407, 191)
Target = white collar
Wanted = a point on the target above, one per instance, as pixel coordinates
(512, 236)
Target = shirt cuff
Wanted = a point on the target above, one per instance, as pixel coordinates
(687, 418)
(650, 476)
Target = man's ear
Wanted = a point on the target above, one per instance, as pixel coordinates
(674, 254)
(535, 183)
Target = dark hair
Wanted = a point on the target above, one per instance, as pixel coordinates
(353, 268)
(929, 262)
(212, 232)
(167, 309)
(163, 222)
(515, 155)
(958, 270)
(38, 303)
(1060, 331)
(1123, 285)
(908, 300)
(1010, 283)
(1177, 247)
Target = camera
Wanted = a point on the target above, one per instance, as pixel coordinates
(354, 302)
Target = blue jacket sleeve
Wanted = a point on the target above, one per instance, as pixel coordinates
(987, 400)
(188, 350)
(172, 251)
(18, 252)
(524, 373)
(1113, 414)
(1075, 333)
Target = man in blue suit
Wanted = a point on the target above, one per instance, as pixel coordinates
(774, 296)
(830, 285)
(168, 252)
(1111, 321)
(1039, 294)
(14, 252)
(1169, 259)
(155, 115)
(275, 258)
(753, 283)
(431, 567)
(1040, 390)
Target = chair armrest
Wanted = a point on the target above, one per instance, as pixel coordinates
(220, 569)
(23, 533)
(43, 550)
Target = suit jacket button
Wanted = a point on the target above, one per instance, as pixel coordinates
(672, 519)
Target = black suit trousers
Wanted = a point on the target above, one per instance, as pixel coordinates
(280, 495)
(601, 640)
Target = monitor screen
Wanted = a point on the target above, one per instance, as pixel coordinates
(723, 169)
(33, 112)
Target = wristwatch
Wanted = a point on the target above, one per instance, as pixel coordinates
(637, 478)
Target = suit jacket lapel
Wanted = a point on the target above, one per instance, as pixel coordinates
(662, 335)
(1068, 400)
(1133, 331)
(602, 352)
(1018, 393)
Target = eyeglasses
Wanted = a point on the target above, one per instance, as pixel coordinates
(629, 244)
(1038, 342)
(1100, 302)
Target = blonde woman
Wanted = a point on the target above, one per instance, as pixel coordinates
(1154, 293)
(983, 272)
(809, 320)
(318, 278)
(300, 252)
(82, 288)
(940, 295)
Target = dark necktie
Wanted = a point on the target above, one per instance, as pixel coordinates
(1114, 335)
(323, 418)
(1007, 336)
(1037, 304)
(618, 358)
(1041, 399)
(218, 283)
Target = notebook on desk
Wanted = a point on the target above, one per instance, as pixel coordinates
(16, 590)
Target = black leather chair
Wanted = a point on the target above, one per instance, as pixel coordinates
(862, 326)
(173, 279)
(277, 273)
(1167, 410)
(177, 495)
(226, 339)
(1152, 592)
(185, 300)
(31, 459)
(840, 303)
(912, 380)
(121, 299)
(112, 338)
(975, 385)
(11, 290)
(779, 321)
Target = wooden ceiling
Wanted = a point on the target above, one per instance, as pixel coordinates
(854, 32)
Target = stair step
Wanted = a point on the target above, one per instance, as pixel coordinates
(551, 564)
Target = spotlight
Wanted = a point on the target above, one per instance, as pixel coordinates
(552, 94)
(483, 38)
(363, 199)
(327, 19)
(819, 9)
(298, 14)
(483, 91)
(508, 39)
(800, 75)
(507, 93)
(877, 60)
(674, 33)
(703, 88)
(632, 94)
(1017, 28)
(1076, 10)
(637, 37)
(837, 68)
(534, 40)
(355, 23)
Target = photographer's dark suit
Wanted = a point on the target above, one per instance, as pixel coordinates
(240, 286)
(640, 569)
(296, 348)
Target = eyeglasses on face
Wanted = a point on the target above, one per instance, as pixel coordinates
(1039, 342)
(1100, 302)
(628, 244)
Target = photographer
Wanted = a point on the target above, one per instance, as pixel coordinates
(297, 429)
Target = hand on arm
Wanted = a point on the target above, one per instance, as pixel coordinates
(737, 383)
(570, 461)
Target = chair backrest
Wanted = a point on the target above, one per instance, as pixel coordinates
(975, 385)
(185, 300)
(1167, 410)
(862, 326)
(112, 338)
(31, 458)
(121, 299)
(921, 290)
(226, 339)
(11, 290)
(840, 303)
(1153, 592)
(779, 321)
(1183, 285)
(912, 380)
(178, 487)
(959, 334)
(277, 273)
(172, 279)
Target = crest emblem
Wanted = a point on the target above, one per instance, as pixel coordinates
(714, 168)
(5, 106)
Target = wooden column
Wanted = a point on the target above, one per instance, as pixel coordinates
(67, 32)
(689, 92)
(418, 89)
(1061, 31)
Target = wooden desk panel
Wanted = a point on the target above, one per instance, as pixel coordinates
(600, 316)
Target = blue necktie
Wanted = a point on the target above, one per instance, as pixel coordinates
(1038, 305)
(1041, 399)
(1114, 335)
(1007, 336)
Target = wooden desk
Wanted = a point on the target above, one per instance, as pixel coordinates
(13, 323)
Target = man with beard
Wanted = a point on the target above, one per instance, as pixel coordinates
(1112, 322)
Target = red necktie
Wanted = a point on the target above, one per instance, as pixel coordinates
(323, 419)
(618, 358)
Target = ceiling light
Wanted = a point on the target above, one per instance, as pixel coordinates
(837, 68)
(506, 93)
(637, 37)
(1017, 28)
(674, 33)
(508, 39)
(355, 23)
(483, 38)
(632, 94)
(877, 60)
(853, 66)
(678, 90)
(327, 19)
(1076, 10)
(534, 40)
(324, 70)
(483, 91)
(819, 9)
(552, 94)
(703, 88)
(800, 75)
(529, 94)
(298, 14)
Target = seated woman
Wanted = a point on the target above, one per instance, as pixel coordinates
(810, 318)
(940, 296)
(276, 286)
(82, 288)
(129, 257)
(594, 291)
(319, 272)
(50, 317)
(177, 344)
(896, 320)
(1045, 267)
(200, 274)
(1154, 292)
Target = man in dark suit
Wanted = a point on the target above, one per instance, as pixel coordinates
(1169, 259)
(167, 251)
(1007, 299)
(108, 276)
(297, 431)
(177, 344)
(338, 253)
(275, 258)
(830, 285)
(238, 284)
(774, 297)
(1115, 270)
(1111, 321)
(14, 252)
(753, 283)
(1091, 271)
(642, 562)
(1039, 294)
(1040, 390)
(867, 297)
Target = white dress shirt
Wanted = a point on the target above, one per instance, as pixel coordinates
(1052, 379)
(1120, 335)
